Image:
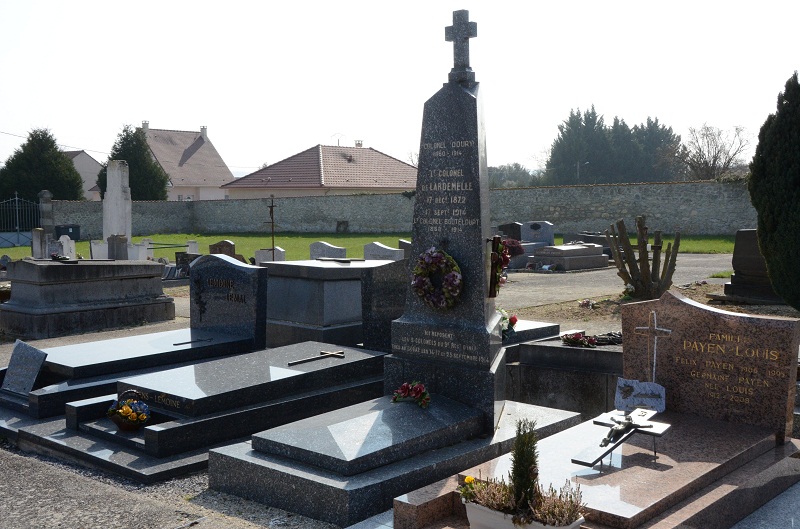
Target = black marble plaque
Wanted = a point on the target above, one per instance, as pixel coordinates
(23, 368)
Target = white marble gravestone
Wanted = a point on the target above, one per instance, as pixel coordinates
(117, 212)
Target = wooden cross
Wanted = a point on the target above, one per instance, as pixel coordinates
(459, 34)
(652, 331)
(322, 355)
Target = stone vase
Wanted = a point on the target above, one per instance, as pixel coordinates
(481, 517)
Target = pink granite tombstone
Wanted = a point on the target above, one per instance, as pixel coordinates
(734, 367)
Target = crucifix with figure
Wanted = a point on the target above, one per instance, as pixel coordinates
(459, 34)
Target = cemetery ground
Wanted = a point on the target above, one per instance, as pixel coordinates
(51, 493)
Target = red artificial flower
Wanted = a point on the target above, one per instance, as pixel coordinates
(512, 320)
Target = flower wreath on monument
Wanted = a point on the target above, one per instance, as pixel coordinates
(437, 279)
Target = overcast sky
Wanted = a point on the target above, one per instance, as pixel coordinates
(270, 79)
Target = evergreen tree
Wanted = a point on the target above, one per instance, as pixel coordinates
(587, 151)
(661, 152)
(627, 156)
(775, 193)
(37, 165)
(580, 153)
(147, 179)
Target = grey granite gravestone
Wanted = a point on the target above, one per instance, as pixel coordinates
(23, 368)
(266, 255)
(405, 246)
(39, 244)
(322, 249)
(538, 231)
(451, 347)
(567, 257)
(750, 279)
(383, 297)
(229, 297)
(117, 247)
(512, 230)
(378, 251)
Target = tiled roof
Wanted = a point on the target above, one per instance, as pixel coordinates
(333, 166)
(72, 154)
(188, 158)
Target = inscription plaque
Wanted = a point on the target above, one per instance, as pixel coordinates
(23, 368)
(722, 365)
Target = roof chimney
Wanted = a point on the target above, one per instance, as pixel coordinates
(359, 143)
(145, 126)
(204, 132)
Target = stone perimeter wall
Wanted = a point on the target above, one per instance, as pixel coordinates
(695, 208)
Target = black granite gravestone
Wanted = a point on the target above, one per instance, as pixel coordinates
(229, 297)
(383, 296)
(23, 368)
(447, 347)
(512, 230)
(750, 279)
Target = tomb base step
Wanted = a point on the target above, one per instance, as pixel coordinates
(52, 438)
(170, 435)
(344, 500)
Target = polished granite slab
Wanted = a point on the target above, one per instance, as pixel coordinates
(250, 378)
(633, 487)
(371, 434)
(344, 500)
(137, 352)
(167, 435)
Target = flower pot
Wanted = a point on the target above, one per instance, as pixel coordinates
(125, 425)
(481, 517)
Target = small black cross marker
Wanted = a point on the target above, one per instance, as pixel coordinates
(322, 354)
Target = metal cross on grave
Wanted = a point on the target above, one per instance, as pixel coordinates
(653, 332)
(459, 34)
(322, 355)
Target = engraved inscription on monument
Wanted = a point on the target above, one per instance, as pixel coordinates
(717, 364)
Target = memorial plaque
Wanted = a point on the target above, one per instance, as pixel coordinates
(734, 367)
(23, 368)
(229, 297)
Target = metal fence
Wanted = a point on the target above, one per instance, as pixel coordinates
(17, 218)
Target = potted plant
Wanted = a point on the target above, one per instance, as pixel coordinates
(494, 504)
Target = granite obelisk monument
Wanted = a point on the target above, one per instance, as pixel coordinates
(449, 335)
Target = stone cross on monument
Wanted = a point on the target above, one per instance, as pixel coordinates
(459, 34)
(653, 332)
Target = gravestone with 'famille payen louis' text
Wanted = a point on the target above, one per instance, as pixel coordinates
(722, 365)
(451, 213)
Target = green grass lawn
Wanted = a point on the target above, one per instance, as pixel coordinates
(296, 244)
